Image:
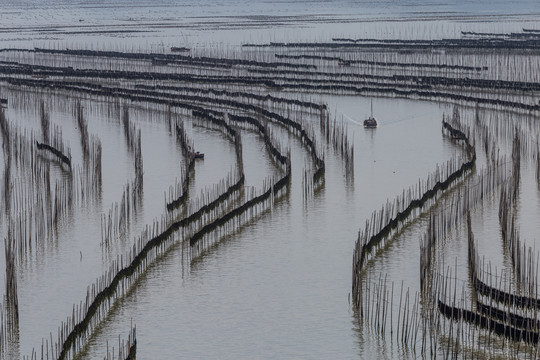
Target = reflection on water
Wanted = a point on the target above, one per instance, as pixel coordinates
(279, 286)
(289, 270)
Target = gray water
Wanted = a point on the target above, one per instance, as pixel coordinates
(278, 287)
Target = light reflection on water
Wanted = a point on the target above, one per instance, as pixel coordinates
(278, 288)
(280, 285)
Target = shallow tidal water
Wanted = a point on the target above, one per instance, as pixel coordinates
(279, 287)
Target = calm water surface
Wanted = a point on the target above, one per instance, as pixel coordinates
(278, 287)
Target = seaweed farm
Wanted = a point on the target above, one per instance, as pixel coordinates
(203, 186)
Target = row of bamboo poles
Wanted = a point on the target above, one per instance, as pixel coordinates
(385, 222)
(115, 224)
(38, 206)
(91, 151)
(34, 209)
(133, 141)
(500, 306)
(490, 179)
(52, 139)
(153, 242)
(422, 326)
(454, 65)
(304, 131)
(336, 134)
(208, 98)
(179, 191)
(492, 312)
(482, 91)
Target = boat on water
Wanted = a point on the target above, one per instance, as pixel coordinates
(198, 155)
(371, 122)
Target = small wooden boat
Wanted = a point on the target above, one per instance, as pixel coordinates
(371, 122)
(198, 155)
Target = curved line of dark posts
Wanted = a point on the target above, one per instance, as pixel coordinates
(399, 44)
(505, 297)
(361, 250)
(519, 328)
(353, 83)
(4, 127)
(507, 331)
(142, 95)
(494, 320)
(297, 127)
(505, 316)
(274, 151)
(273, 189)
(170, 58)
(411, 81)
(493, 293)
(47, 71)
(267, 97)
(108, 292)
(63, 158)
(80, 328)
(145, 95)
(189, 155)
(346, 62)
(478, 285)
(423, 82)
(129, 270)
(459, 135)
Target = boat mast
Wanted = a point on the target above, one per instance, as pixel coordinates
(371, 108)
